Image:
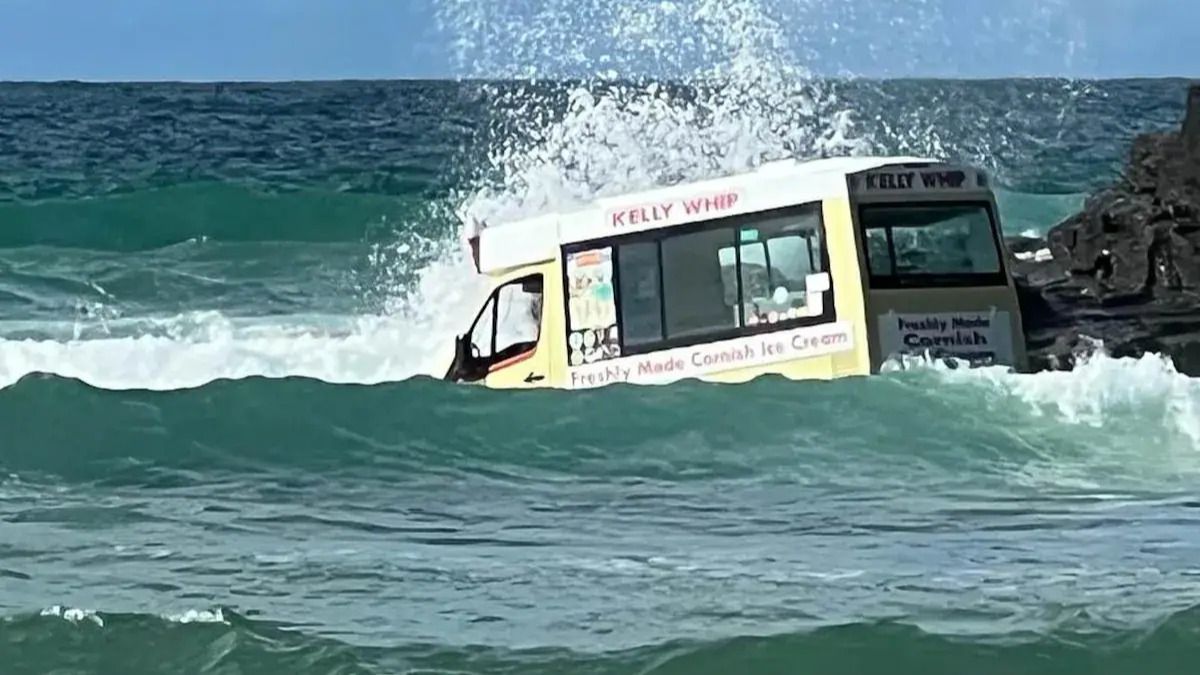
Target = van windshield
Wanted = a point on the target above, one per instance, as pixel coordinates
(931, 244)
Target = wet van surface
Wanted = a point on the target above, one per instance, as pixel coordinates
(935, 266)
(808, 270)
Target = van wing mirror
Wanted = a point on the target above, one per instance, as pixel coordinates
(473, 244)
(467, 365)
(458, 365)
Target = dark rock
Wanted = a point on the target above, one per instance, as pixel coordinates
(1125, 272)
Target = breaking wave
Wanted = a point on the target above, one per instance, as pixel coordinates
(1109, 423)
(1079, 644)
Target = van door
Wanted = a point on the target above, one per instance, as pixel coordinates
(937, 283)
(504, 345)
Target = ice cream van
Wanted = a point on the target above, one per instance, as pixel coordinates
(806, 269)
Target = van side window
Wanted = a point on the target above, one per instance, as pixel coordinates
(931, 244)
(641, 302)
(694, 286)
(778, 257)
(717, 280)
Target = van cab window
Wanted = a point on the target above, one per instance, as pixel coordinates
(931, 244)
(518, 317)
(506, 330)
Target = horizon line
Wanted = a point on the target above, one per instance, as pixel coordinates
(479, 79)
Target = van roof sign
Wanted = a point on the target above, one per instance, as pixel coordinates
(928, 179)
(670, 210)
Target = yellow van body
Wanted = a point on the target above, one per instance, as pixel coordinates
(865, 285)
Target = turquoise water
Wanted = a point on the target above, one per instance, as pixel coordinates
(221, 452)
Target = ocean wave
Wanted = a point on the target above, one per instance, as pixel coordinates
(219, 211)
(200, 641)
(1079, 644)
(1115, 422)
(196, 348)
(65, 294)
(76, 615)
(68, 141)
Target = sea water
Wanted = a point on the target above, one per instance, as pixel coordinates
(221, 450)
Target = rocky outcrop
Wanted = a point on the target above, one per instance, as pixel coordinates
(1126, 270)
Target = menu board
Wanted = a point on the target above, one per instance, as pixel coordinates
(591, 307)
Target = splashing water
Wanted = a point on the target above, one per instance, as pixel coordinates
(721, 95)
(742, 96)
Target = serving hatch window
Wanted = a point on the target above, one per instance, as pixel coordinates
(777, 257)
(930, 244)
(694, 284)
(723, 279)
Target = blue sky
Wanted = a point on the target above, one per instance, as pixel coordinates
(331, 39)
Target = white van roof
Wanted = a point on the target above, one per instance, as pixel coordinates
(773, 185)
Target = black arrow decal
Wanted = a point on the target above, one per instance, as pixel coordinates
(533, 378)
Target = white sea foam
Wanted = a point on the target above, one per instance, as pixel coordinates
(73, 614)
(197, 616)
(1099, 391)
(1102, 386)
(77, 615)
(364, 350)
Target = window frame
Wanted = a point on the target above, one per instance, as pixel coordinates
(493, 302)
(909, 280)
(733, 223)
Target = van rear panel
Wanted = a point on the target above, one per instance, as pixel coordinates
(934, 267)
